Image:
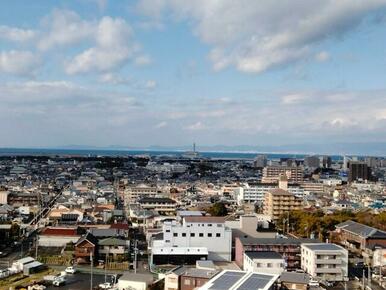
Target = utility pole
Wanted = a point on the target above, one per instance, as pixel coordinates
(36, 246)
(135, 255)
(91, 265)
(363, 279)
(368, 275)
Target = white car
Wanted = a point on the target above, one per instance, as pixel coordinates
(59, 281)
(313, 283)
(106, 285)
(70, 270)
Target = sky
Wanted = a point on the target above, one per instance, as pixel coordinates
(171, 72)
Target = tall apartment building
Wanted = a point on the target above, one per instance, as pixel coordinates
(271, 174)
(312, 161)
(195, 236)
(358, 170)
(260, 161)
(279, 201)
(323, 261)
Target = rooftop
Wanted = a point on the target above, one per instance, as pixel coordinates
(263, 255)
(323, 247)
(204, 219)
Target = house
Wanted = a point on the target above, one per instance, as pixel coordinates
(328, 262)
(115, 249)
(85, 248)
(264, 262)
(294, 281)
(232, 280)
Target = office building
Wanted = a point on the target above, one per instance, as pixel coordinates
(358, 171)
(271, 174)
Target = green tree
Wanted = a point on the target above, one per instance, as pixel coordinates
(218, 209)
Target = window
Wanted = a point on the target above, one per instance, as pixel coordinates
(167, 241)
(218, 235)
(187, 282)
(192, 234)
(209, 225)
(209, 235)
(168, 231)
(184, 234)
(219, 225)
(201, 235)
(175, 234)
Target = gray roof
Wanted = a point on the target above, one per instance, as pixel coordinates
(200, 273)
(128, 276)
(323, 247)
(104, 232)
(361, 229)
(293, 277)
(112, 242)
(263, 255)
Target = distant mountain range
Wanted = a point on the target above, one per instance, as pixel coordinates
(364, 149)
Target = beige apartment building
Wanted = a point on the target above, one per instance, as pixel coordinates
(271, 174)
(279, 201)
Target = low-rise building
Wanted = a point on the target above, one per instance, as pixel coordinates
(328, 262)
(264, 262)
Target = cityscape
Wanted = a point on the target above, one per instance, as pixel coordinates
(192, 145)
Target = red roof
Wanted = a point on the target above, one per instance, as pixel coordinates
(52, 231)
(204, 219)
(120, 226)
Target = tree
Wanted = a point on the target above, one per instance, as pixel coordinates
(218, 209)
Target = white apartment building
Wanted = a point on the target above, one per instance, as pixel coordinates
(251, 193)
(194, 232)
(324, 261)
(134, 193)
(264, 262)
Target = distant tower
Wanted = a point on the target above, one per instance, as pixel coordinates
(194, 147)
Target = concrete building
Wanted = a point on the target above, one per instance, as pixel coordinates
(135, 281)
(195, 235)
(359, 171)
(271, 174)
(328, 262)
(3, 195)
(133, 193)
(280, 201)
(311, 161)
(264, 262)
(260, 161)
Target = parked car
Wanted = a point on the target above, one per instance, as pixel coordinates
(59, 281)
(106, 285)
(70, 270)
(313, 283)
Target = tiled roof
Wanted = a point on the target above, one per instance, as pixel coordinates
(361, 229)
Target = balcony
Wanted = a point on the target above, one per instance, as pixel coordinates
(337, 270)
(336, 261)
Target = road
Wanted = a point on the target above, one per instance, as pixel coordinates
(80, 281)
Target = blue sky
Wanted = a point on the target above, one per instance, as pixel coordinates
(168, 72)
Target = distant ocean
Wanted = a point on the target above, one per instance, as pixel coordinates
(112, 152)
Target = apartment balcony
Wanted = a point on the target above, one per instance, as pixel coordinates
(336, 270)
(328, 261)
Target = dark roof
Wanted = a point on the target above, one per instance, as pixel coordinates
(60, 231)
(323, 247)
(263, 255)
(120, 226)
(88, 237)
(293, 277)
(275, 241)
(156, 200)
(361, 230)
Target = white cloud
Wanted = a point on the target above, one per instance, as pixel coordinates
(64, 27)
(16, 34)
(322, 56)
(18, 62)
(114, 47)
(195, 126)
(161, 125)
(294, 98)
(114, 79)
(255, 36)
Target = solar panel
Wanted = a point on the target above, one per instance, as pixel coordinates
(255, 281)
(227, 280)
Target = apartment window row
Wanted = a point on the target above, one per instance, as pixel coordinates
(201, 235)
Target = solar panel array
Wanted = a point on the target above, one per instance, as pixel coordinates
(255, 281)
(227, 280)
